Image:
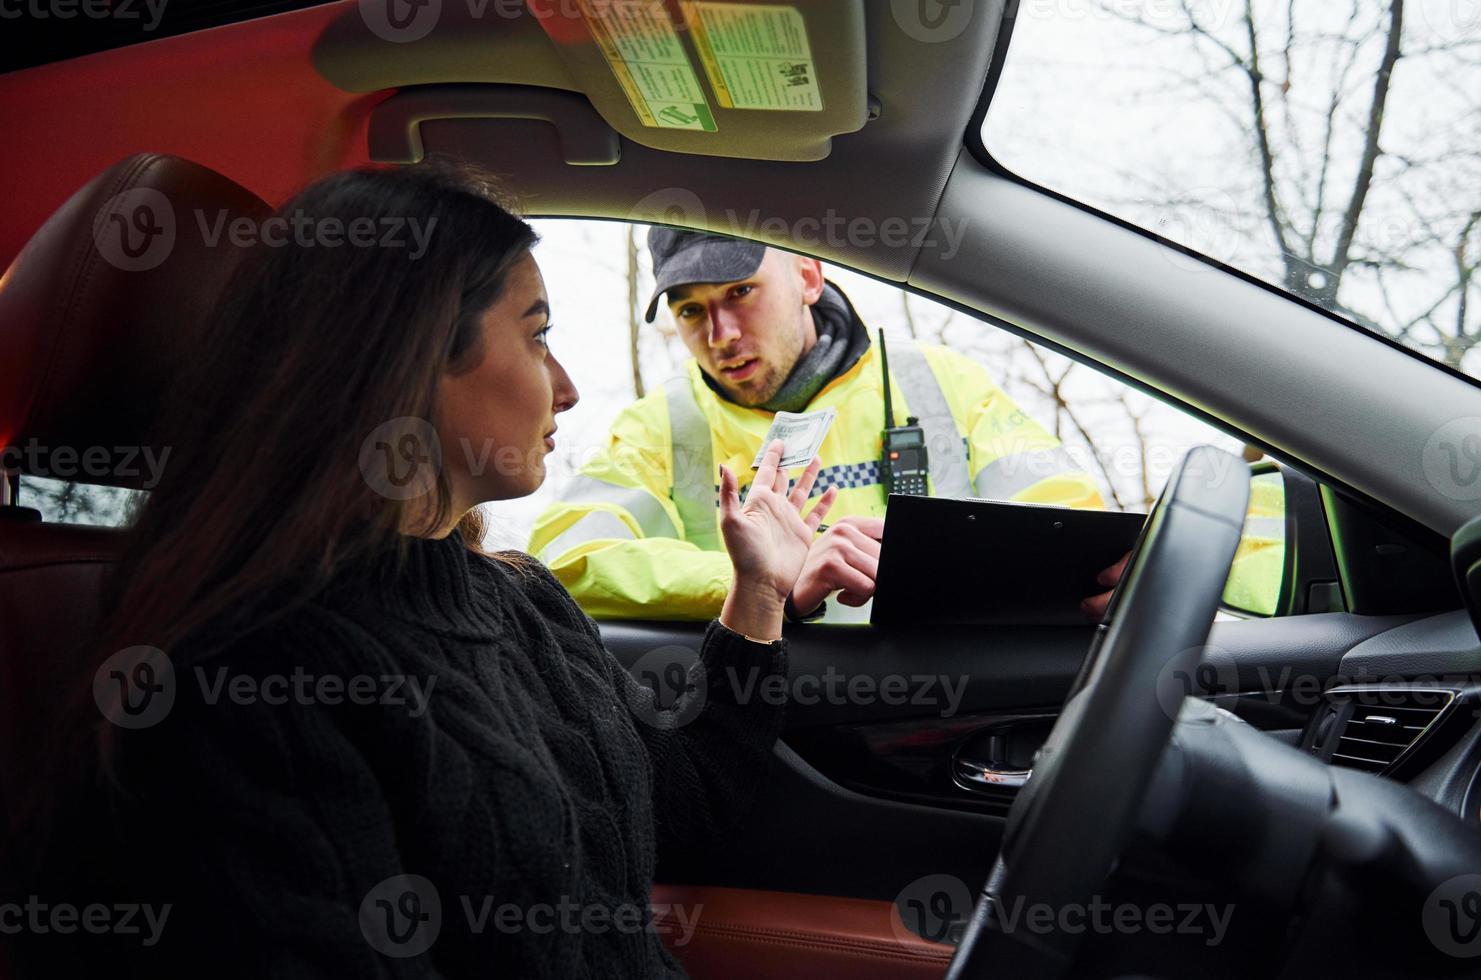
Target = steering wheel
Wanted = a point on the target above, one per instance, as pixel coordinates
(1070, 822)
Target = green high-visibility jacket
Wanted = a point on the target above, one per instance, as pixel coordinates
(636, 532)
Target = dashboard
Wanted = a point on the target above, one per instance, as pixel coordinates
(1403, 701)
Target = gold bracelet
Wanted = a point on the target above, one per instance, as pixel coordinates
(744, 636)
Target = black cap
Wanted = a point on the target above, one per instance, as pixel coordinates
(683, 258)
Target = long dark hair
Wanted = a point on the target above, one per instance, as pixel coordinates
(311, 349)
(263, 500)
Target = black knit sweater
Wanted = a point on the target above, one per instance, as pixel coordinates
(505, 819)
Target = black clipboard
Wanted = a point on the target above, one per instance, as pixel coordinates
(993, 562)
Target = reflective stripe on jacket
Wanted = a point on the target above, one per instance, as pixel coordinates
(636, 533)
(1258, 570)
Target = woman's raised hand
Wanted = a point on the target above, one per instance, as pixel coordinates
(768, 539)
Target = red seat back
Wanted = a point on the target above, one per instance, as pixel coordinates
(97, 314)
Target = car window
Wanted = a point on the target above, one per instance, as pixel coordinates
(1331, 148)
(67, 502)
(1119, 444)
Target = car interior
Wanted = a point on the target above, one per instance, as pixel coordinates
(1321, 778)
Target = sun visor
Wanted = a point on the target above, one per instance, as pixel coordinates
(761, 81)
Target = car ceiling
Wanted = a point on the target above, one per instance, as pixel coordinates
(277, 101)
(255, 100)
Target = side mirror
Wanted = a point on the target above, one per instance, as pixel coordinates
(1258, 571)
(1284, 565)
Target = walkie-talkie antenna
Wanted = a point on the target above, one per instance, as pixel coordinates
(884, 365)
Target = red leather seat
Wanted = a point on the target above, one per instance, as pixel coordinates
(97, 314)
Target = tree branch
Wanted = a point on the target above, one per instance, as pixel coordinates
(1364, 179)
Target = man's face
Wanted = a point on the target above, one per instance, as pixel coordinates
(747, 335)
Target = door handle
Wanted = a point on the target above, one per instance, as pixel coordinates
(976, 775)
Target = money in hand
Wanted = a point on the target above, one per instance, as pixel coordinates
(802, 436)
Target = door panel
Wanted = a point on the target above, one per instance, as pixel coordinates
(897, 674)
(862, 801)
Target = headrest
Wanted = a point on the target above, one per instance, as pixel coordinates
(98, 312)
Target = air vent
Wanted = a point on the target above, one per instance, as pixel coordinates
(1377, 728)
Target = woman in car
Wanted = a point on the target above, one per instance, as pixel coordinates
(338, 739)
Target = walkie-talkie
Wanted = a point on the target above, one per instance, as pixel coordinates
(902, 463)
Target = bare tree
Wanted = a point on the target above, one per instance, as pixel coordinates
(65, 502)
(909, 315)
(634, 322)
(1019, 367)
(1377, 224)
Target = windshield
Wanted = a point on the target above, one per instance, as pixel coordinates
(1329, 147)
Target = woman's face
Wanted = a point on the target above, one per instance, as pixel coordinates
(498, 417)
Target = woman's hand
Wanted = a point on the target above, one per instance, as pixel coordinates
(768, 540)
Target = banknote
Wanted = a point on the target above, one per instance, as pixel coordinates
(801, 433)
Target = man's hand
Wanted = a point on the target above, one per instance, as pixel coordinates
(768, 540)
(1095, 606)
(846, 557)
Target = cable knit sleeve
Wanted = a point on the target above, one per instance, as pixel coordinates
(263, 819)
(708, 722)
(710, 737)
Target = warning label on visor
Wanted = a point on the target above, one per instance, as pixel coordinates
(643, 49)
(755, 55)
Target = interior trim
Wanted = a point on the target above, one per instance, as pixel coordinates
(723, 933)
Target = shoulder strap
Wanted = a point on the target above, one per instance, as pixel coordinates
(695, 491)
(945, 447)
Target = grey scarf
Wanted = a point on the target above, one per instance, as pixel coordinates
(842, 340)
